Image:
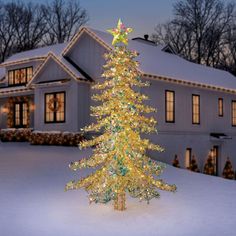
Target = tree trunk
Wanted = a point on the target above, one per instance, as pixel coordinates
(119, 202)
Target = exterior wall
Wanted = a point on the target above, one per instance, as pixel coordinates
(176, 137)
(88, 55)
(76, 111)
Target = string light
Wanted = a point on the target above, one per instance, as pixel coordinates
(120, 153)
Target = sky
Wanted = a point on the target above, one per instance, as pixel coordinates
(141, 15)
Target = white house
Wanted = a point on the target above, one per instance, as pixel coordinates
(49, 89)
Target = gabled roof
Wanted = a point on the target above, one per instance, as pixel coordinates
(154, 61)
(37, 54)
(2, 74)
(63, 63)
(157, 64)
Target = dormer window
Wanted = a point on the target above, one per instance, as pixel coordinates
(20, 76)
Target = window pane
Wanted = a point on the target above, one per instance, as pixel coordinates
(170, 103)
(17, 76)
(234, 113)
(220, 106)
(60, 98)
(17, 114)
(29, 73)
(196, 109)
(23, 76)
(54, 109)
(10, 77)
(24, 114)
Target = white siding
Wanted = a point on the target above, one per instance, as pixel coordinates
(51, 71)
(176, 137)
(88, 55)
(76, 113)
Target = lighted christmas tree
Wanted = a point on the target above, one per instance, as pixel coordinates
(228, 171)
(209, 168)
(175, 162)
(193, 165)
(120, 152)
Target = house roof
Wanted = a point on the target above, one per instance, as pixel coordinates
(154, 61)
(62, 62)
(2, 74)
(38, 53)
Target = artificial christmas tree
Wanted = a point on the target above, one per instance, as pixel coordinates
(120, 152)
(193, 165)
(228, 171)
(209, 168)
(175, 162)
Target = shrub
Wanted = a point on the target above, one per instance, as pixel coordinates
(56, 138)
(15, 135)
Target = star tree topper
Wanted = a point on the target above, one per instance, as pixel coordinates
(120, 33)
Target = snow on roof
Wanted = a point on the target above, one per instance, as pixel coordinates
(154, 61)
(2, 74)
(37, 53)
(68, 67)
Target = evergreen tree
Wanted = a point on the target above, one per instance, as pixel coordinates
(209, 168)
(175, 162)
(228, 171)
(120, 152)
(193, 165)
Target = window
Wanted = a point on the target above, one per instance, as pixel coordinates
(188, 154)
(220, 107)
(195, 109)
(233, 113)
(55, 107)
(170, 106)
(20, 76)
(20, 114)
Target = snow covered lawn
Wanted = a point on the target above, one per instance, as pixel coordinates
(33, 201)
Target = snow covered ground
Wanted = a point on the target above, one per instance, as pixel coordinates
(33, 201)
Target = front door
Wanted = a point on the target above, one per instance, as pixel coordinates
(20, 114)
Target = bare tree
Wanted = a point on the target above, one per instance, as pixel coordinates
(64, 18)
(29, 26)
(198, 29)
(228, 53)
(7, 31)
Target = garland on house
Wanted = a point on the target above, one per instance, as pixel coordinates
(10, 106)
(120, 152)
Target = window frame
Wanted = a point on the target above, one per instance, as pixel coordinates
(21, 114)
(199, 122)
(232, 117)
(54, 112)
(219, 110)
(172, 121)
(14, 74)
